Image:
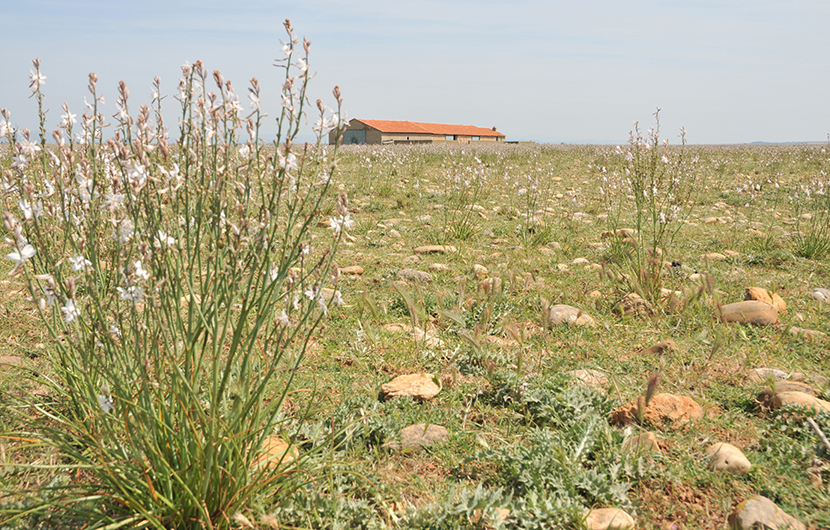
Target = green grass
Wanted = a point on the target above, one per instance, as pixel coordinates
(522, 436)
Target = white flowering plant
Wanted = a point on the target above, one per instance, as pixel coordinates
(647, 193)
(171, 276)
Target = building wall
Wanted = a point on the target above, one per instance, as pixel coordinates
(374, 136)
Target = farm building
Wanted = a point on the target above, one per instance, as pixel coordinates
(410, 132)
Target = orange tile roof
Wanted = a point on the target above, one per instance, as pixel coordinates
(391, 126)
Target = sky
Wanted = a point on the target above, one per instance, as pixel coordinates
(729, 71)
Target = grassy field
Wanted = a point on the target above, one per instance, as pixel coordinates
(523, 230)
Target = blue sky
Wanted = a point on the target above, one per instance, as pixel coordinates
(549, 71)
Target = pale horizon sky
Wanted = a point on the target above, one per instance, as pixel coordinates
(548, 71)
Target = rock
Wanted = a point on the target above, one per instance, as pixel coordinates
(500, 342)
(765, 398)
(479, 271)
(328, 294)
(607, 519)
(419, 386)
(427, 338)
(351, 269)
(713, 256)
(413, 275)
(821, 295)
(416, 437)
(760, 512)
(814, 379)
(762, 375)
(435, 249)
(394, 233)
(762, 295)
(564, 314)
(663, 408)
(809, 334)
(9, 360)
(798, 399)
(562, 266)
(595, 294)
(731, 254)
(750, 312)
(580, 261)
(490, 285)
(554, 245)
(664, 346)
(276, 452)
(439, 267)
(727, 457)
(620, 232)
(642, 443)
(593, 378)
(632, 305)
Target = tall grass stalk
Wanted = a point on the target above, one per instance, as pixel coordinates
(812, 234)
(181, 284)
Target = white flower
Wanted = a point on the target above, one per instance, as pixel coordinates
(20, 161)
(113, 201)
(311, 292)
(115, 331)
(164, 239)
(105, 401)
(132, 294)
(26, 209)
(70, 311)
(38, 79)
(125, 231)
(140, 272)
(27, 147)
(288, 162)
(68, 118)
(79, 263)
(283, 319)
(136, 175)
(21, 255)
(343, 222)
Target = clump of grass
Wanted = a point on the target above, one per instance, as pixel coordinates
(181, 285)
(812, 238)
(651, 194)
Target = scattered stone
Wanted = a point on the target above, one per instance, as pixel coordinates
(750, 312)
(422, 387)
(762, 295)
(727, 457)
(593, 378)
(632, 305)
(731, 254)
(711, 220)
(820, 294)
(500, 342)
(620, 232)
(713, 256)
(479, 271)
(645, 442)
(562, 266)
(810, 334)
(328, 295)
(799, 399)
(416, 437)
(663, 408)
(760, 512)
(276, 453)
(439, 267)
(762, 375)
(490, 285)
(427, 338)
(501, 516)
(424, 219)
(413, 275)
(352, 269)
(9, 360)
(815, 379)
(435, 249)
(595, 294)
(608, 519)
(564, 314)
(553, 245)
(663, 346)
(580, 261)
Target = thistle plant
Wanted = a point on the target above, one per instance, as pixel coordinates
(655, 185)
(181, 282)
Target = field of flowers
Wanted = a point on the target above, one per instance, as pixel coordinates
(202, 330)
